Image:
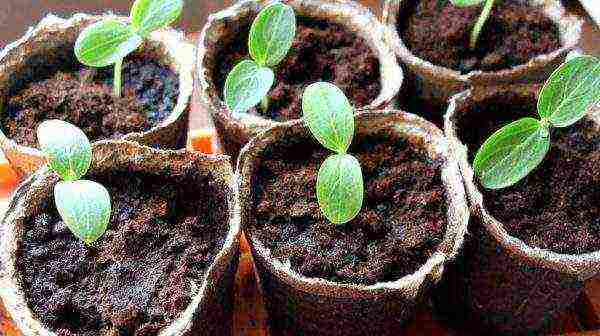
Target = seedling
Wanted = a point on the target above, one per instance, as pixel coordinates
(271, 36)
(108, 42)
(83, 205)
(483, 17)
(517, 148)
(330, 118)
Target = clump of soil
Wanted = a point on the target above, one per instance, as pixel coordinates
(135, 279)
(556, 206)
(402, 221)
(321, 51)
(439, 32)
(84, 97)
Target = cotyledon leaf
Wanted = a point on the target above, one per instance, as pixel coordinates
(246, 85)
(68, 149)
(511, 153)
(149, 15)
(272, 34)
(84, 206)
(340, 188)
(466, 3)
(104, 43)
(570, 91)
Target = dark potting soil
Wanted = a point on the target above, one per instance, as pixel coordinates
(402, 221)
(321, 51)
(439, 32)
(135, 279)
(556, 206)
(84, 97)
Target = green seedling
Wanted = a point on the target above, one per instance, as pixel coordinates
(519, 147)
(330, 118)
(483, 17)
(108, 42)
(270, 39)
(83, 205)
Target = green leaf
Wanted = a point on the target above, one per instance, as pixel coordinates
(329, 115)
(511, 153)
(466, 3)
(570, 91)
(149, 15)
(68, 149)
(340, 188)
(104, 43)
(246, 85)
(84, 206)
(272, 34)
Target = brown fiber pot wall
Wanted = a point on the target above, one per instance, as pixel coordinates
(536, 283)
(50, 44)
(298, 305)
(439, 83)
(236, 131)
(211, 309)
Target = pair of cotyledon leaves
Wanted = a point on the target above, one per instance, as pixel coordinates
(106, 42)
(83, 205)
(519, 147)
(271, 36)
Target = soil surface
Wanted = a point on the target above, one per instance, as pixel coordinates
(556, 206)
(439, 32)
(84, 97)
(402, 221)
(135, 279)
(321, 51)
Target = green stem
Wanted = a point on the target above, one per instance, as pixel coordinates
(264, 103)
(483, 17)
(117, 79)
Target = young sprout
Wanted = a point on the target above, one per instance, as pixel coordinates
(271, 37)
(517, 148)
(108, 42)
(483, 17)
(330, 118)
(83, 205)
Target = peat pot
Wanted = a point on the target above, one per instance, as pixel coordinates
(338, 41)
(165, 266)
(40, 78)
(534, 243)
(523, 41)
(367, 276)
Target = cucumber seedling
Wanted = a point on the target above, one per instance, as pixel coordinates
(481, 20)
(109, 41)
(330, 118)
(271, 36)
(83, 205)
(519, 147)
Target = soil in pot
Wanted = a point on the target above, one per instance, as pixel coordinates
(556, 206)
(83, 96)
(439, 32)
(402, 221)
(321, 51)
(137, 278)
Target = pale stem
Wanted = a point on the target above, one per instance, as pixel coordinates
(117, 78)
(264, 103)
(483, 17)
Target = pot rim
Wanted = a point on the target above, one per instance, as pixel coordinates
(13, 296)
(173, 47)
(570, 34)
(409, 125)
(583, 266)
(391, 74)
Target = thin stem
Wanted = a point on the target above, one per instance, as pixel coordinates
(483, 17)
(264, 103)
(118, 80)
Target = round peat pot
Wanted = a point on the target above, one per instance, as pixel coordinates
(534, 243)
(336, 41)
(165, 266)
(364, 277)
(523, 41)
(40, 78)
